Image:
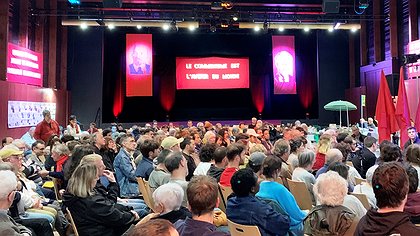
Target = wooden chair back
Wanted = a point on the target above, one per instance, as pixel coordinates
(363, 199)
(243, 230)
(57, 189)
(222, 202)
(301, 194)
(73, 225)
(145, 190)
(226, 191)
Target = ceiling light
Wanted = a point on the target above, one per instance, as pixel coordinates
(235, 18)
(191, 27)
(257, 28)
(138, 26)
(83, 25)
(281, 29)
(306, 29)
(111, 26)
(354, 29)
(165, 27)
(337, 25)
(213, 28)
(331, 29)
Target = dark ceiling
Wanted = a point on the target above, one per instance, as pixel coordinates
(300, 11)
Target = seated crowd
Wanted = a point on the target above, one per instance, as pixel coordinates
(204, 178)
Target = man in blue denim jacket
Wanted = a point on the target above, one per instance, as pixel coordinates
(125, 168)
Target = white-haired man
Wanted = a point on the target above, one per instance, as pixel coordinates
(7, 194)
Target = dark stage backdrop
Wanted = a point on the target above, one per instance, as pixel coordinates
(209, 104)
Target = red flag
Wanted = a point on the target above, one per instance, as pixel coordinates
(402, 112)
(385, 111)
(417, 122)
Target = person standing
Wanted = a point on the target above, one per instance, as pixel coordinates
(47, 127)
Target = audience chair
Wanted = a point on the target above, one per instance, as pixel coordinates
(73, 225)
(359, 180)
(226, 191)
(57, 190)
(349, 163)
(363, 199)
(243, 230)
(145, 190)
(301, 194)
(222, 202)
(280, 181)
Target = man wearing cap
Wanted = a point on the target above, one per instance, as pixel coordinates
(253, 138)
(255, 162)
(46, 128)
(172, 143)
(236, 156)
(150, 150)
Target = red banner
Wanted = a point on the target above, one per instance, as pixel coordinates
(212, 73)
(284, 71)
(139, 65)
(24, 65)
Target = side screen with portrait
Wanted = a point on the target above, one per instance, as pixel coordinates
(284, 72)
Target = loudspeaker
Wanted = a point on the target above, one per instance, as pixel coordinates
(331, 6)
(112, 3)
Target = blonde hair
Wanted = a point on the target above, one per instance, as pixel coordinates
(324, 143)
(80, 183)
(258, 148)
(90, 159)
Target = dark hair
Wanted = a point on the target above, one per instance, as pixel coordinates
(66, 138)
(149, 145)
(340, 168)
(202, 194)
(152, 227)
(234, 150)
(241, 136)
(390, 184)
(78, 153)
(207, 152)
(243, 181)
(390, 153)
(72, 117)
(183, 144)
(72, 144)
(173, 160)
(105, 132)
(413, 178)
(34, 144)
(270, 165)
(162, 155)
(295, 144)
(341, 136)
(369, 141)
(344, 148)
(220, 154)
(412, 154)
(384, 143)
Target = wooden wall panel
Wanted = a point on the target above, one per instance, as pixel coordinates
(23, 23)
(413, 20)
(22, 92)
(52, 48)
(377, 30)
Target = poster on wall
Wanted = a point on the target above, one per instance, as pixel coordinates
(24, 65)
(284, 72)
(139, 65)
(212, 73)
(26, 113)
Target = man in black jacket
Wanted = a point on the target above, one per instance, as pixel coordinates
(366, 157)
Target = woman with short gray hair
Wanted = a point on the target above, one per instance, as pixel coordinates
(306, 161)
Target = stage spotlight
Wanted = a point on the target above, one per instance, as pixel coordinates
(306, 29)
(331, 29)
(227, 5)
(354, 30)
(257, 28)
(235, 18)
(173, 26)
(138, 26)
(265, 26)
(83, 26)
(111, 26)
(191, 27)
(363, 4)
(165, 27)
(411, 58)
(281, 29)
(213, 28)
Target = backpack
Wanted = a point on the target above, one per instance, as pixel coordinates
(329, 220)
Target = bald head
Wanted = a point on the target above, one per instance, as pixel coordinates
(333, 155)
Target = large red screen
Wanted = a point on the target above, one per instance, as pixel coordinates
(139, 65)
(212, 73)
